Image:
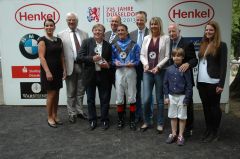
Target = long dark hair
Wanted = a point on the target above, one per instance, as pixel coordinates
(49, 20)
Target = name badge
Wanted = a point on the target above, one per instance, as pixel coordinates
(152, 55)
(97, 50)
(123, 55)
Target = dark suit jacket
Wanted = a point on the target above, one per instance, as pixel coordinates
(107, 37)
(85, 56)
(134, 34)
(190, 55)
(134, 37)
(217, 65)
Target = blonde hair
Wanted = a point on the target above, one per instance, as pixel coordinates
(158, 21)
(212, 44)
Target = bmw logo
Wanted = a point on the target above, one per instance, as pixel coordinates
(28, 46)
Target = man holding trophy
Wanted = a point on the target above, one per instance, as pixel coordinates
(125, 56)
(95, 55)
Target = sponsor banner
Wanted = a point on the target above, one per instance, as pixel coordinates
(25, 23)
(25, 71)
(196, 42)
(126, 12)
(33, 15)
(191, 13)
(32, 90)
(28, 46)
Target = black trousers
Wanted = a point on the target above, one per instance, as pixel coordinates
(211, 105)
(104, 90)
(190, 115)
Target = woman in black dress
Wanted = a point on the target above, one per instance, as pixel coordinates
(53, 70)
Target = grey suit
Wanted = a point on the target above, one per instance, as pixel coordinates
(74, 83)
(134, 34)
(139, 70)
(108, 35)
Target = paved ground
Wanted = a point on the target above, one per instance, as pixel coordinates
(24, 134)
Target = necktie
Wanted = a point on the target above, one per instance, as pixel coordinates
(139, 41)
(174, 45)
(112, 37)
(77, 45)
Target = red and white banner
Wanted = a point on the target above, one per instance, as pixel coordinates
(25, 71)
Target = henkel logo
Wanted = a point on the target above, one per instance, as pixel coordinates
(32, 16)
(191, 13)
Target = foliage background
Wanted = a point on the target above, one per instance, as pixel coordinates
(236, 29)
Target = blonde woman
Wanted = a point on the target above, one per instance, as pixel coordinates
(154, 54)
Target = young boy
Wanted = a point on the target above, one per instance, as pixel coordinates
(177, 91)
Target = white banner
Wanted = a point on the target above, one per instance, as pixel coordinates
(22, 23)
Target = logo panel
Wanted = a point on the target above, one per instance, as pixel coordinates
(191, 13)
(32, 16)
(25, 71)
(32, 90)
(93, 14)
(28, 46)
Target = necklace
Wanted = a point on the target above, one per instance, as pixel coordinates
(53, 38)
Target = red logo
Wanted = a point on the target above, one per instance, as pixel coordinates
(25, 71)
(191, 13)
(32, 16)
(93, 14)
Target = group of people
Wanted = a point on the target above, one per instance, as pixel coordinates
(126, 60)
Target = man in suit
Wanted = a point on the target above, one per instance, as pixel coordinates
(137, 36)
(111, 36)
(96, 54)
(189, 62)
(72, 38)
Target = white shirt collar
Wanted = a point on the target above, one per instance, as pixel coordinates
(143, 30)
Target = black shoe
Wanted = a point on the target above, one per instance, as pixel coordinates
(138, 120)
(93, 125)
(72, 119)
(120, 124)
(82, 116)
(52, 125)
(205, 136)
(188, 133)
(105, 125)
(133, 125)
(213, 137)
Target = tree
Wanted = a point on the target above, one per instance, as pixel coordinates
(235, 85)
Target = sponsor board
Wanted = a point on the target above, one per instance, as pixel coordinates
(25, 71)
(191, 13)
(32, 90)
(195, 40)
(32, 16)
(28, 46)
(105, 13)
